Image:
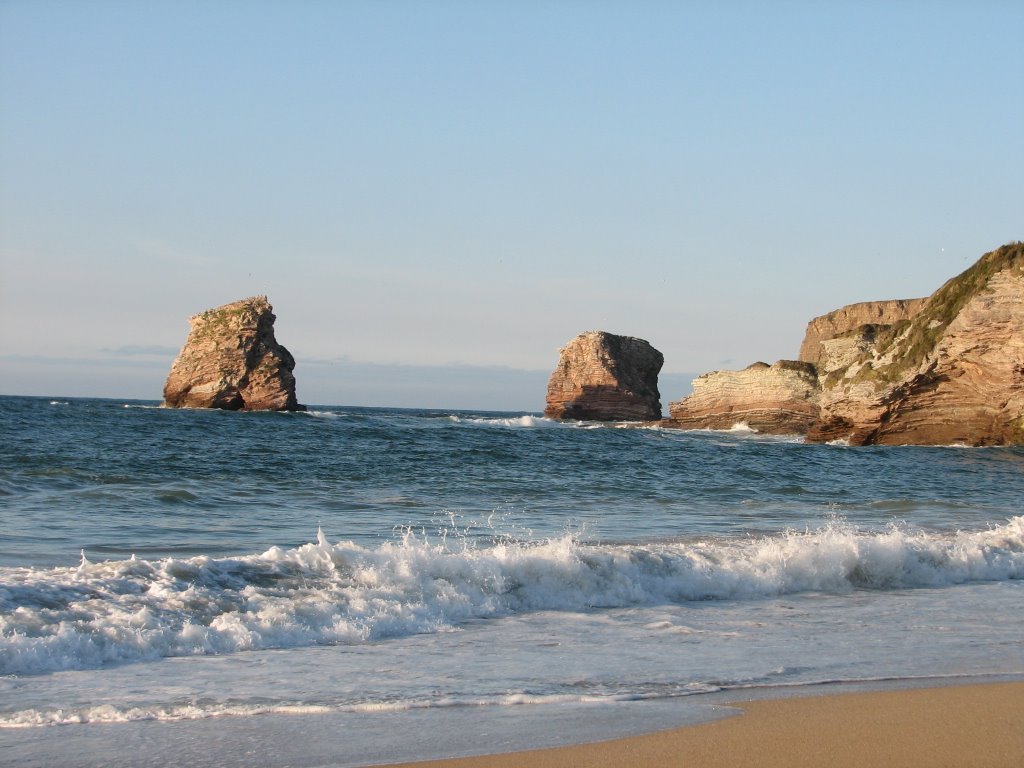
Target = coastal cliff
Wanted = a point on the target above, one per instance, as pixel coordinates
(951, 374)
(231, 360)
(771, 399)
(947, 369)
(604, 377)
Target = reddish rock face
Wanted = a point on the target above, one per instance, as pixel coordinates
(232, 361)
(604, 377)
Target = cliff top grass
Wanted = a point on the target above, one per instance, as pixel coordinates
(234, 309)
(911, 341)
(220, 321)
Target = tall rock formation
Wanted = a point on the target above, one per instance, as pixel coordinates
(777, 399)
(232, 361)
(952, 373)
(604, 377)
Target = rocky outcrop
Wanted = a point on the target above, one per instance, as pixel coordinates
(944, 370)
(840, 352)
(784, 398)
(604, 377)
(953, 373)
(771, 399)
(832, 338)
(232, 361)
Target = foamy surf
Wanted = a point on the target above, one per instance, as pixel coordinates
(741, 430)
(109, 714)
(679, 577)
(321, 593)
(526, 421)
(529, 421)
(321, 414)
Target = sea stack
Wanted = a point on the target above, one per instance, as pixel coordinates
(232, 361)
(604, 377)
(779, 399)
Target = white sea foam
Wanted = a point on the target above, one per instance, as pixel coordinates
(323, 593)
(321, 414)
(526, 421)
(739, 428)
(110, 713)
(107, 713)
(744, 430)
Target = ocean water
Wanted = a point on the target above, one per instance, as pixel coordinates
(351, 586)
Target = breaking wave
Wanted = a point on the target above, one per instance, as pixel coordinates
(106, 713)
(525, 421)
(343, 593)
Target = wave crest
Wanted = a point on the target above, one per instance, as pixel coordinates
(321, 593)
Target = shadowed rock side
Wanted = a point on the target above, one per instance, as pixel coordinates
(831, 337)
(953, 373)
(604, 377)
(779, 399)
(232, 361)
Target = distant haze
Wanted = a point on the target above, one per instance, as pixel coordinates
(338, 382)
(437, 196)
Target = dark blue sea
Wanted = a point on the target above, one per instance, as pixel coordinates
(350, 586)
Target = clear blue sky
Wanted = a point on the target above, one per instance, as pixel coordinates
(437, 195)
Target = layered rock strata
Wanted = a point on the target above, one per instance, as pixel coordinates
(232, 361)
(604, 377)
(951, 374)
(948, 369)
(771, 399)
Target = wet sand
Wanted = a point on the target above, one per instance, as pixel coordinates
(958, 727)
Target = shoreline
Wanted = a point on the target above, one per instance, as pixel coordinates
(961, 726)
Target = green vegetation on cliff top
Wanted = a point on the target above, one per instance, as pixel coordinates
(911, 341)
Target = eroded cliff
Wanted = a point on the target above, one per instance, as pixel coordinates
(951, 374)
(948, 369)
(231, 360)
(771, 399)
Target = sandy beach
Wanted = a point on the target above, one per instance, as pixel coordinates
(958, 726)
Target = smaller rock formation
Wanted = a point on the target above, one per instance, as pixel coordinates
(604, 377)
(777, 399)
(232, 361)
